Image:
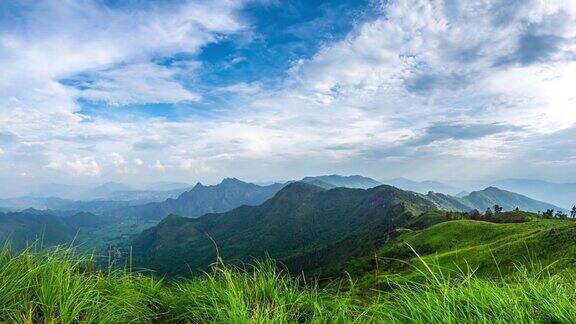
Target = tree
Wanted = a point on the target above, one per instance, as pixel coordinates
(489, 214)
(498, 209)
(573, 212)
(475, 215)
(516, 209)
(561, 214)
(549, 213)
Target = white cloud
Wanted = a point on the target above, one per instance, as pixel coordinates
(76, 165)
(61, 51)
(159, 166)
(118, 160)
(120, 163)
(194, 166)
(430, 61)
(242, 88)
(1, 151)
(137, 84)
(419, 64)
(61, 40)
(357, 104)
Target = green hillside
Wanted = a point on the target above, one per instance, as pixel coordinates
(304, 226)
(489, 249)
(86, 231)
(22, 229)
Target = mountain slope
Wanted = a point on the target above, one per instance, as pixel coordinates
(200, 200)
(333, 181)
(508, 200)
(470, 244)
(561, 194)
(296, 225)
(21, 229)
(487, 198)
(451, 203)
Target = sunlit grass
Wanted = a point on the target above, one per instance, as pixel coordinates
(60, 287)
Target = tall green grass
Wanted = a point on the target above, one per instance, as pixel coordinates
(61, 287)
(261, 294)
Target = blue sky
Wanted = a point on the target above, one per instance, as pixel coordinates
(275, 35)
(141, 91)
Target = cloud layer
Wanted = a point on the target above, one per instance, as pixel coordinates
(424, 89)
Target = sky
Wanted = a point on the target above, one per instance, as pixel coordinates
(143, 91)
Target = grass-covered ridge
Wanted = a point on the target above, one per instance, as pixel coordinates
(491, 249)
(453, 272)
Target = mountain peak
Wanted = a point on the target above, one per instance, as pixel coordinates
(335, 180)
(228, 181)
(509, 200)
(298, 189)
(109, 187)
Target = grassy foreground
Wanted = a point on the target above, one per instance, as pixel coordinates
(56, 287)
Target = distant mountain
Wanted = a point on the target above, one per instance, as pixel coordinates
(451, 203)
(22, 229)
(333, 181)
(139, 197)
(200, 200)
(106, 189)
(303, 226)
(320, 183)
(17, 204)
(487, 198)
(62, 205)
(157, 192)
(462, 194)
(168, 186)
(561, 194)
(58, 190)
(423, 186)
(506, 199)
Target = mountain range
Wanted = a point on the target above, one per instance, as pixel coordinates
(109, 191)
(304, 226)
(307, 226)
(423, 186)
(318, 220)
(201, 199)
(229, 194)
(487, 198)
(561, 194)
